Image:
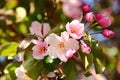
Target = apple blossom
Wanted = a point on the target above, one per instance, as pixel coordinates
(40, 29)
(39, 50)
(85, 7)
(75, 29)
(75, 3)
(70, 11)
(90, 17)
(103, 20)
(108, 33)
(85, 48)
(71, 8)
(59, 47)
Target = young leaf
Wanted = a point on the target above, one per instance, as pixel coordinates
(10, 70)
(8, 49)
(51, 65)
(33, 67)
(69, 68)
(99, 58)
(87, 60)
(99, 67)
(25, 43)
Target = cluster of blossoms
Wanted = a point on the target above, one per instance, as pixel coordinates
(75, 9)
(72, 40)
(63, 46)
(67, 44)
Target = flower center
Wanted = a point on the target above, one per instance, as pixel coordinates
(42, 49)
(73, 30)
(61, 45)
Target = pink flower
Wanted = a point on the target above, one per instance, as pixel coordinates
(62, 48)
(70, 11)
(75, 3)
(85, 48)
(75, 29)
(39, 50)
(90, 17)
(103, 20)
(85, 8)
(108, 33)
(71, 8)
(40, 29)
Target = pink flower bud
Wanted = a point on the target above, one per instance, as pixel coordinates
(86, 8)
(70, 53)
(108, 33)
(85, 48)
(89, 16)
(103, 20)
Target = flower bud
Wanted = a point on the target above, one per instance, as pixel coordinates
(86, 8)
(103, 20)
(70, 53)
(85, 48)
(89, 17)
(108, 33)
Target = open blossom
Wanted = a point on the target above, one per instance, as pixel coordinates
(40, 29)
(75, 29)
(90, 17)
(85, 8)
(75, 3)
(71, 8)
(85, 48)
(103, 20)
(60, 47)
(108, 33)
(39, 50)
(71, 11)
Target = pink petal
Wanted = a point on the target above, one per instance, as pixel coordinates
(70, 53)
(65, 36)
(61, 55)
(36, 28)
(46, 28)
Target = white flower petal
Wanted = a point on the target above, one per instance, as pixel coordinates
(72, 44)
(61, 55)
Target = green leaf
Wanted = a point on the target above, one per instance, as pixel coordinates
(33, 67)
(8, 49)
(22, 28)
(69, 68)
(11, 4)
(87, 60)
(10, 70)
(51, 66)
(99, 66)
(99, 57)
